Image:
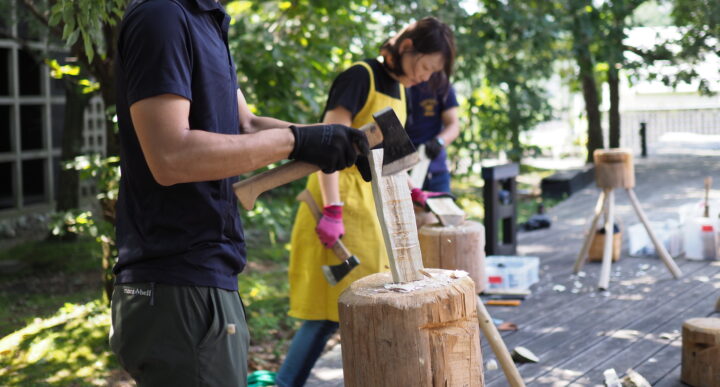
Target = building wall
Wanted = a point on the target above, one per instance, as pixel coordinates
(31, 126)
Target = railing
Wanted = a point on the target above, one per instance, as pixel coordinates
(662, 122)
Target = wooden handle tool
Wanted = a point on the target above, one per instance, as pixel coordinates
(338, 248)
(498, 346)
(249, 189)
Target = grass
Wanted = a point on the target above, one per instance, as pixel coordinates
(55, 324)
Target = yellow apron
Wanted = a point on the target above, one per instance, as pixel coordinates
(311, 297)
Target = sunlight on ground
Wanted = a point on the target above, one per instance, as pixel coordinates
(69, 348)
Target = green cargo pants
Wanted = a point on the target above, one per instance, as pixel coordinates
(168, 335)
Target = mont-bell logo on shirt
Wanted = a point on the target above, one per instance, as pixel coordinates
(428, 106)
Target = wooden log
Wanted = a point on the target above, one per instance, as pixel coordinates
(397, 220)
(701, 352)
(424, 334)
(455, 248)
(614, 168)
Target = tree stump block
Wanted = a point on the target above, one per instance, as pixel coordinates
(614, 168)
(421, 333)
(455, 248)
(701, 352)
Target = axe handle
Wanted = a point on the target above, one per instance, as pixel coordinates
(249, 189)
(498, 345)
(338, 248)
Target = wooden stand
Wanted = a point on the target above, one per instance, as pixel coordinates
(427, 336)
(455, 248)
(701, 352)
(614, 169)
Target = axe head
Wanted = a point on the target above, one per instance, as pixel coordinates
(335, 273)
(398, 151)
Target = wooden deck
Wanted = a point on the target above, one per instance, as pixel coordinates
(579, 332)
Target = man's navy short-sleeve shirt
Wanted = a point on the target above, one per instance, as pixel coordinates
(184, 234)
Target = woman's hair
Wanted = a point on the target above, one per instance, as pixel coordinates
(428, 35)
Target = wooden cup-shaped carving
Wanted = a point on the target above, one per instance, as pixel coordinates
(614, 168)
(455, 248)
(701, 352)
(424, 335)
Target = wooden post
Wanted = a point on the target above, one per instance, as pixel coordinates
(607, 249)
(582, 257)
(456, 248)
(701, 352)
(659, 247)
(420, 334)
(397, 220)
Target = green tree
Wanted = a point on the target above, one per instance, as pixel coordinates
(506, 52)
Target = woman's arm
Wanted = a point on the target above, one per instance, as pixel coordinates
(250, 123)
(451, 125)
(329, 186)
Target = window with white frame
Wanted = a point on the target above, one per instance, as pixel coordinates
(31, 125)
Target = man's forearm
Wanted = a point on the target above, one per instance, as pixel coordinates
(203, 156)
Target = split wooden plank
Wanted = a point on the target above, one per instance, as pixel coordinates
(397, 220)
(446, 211)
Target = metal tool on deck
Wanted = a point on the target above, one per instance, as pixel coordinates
(400, 155)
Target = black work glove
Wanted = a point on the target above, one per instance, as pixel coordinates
(332, 147)
(433, 148)
(363, 166)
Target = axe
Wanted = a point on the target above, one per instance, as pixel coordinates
(333, 274)
(399, 155)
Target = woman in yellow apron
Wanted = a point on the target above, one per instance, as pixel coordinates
(421, 49)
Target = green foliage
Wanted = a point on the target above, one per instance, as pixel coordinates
(505, 52)
(86, 19)
(105, 172)
(288, 53)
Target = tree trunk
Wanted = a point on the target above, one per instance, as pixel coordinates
(592, 103)
(614, 114)
(72, 141)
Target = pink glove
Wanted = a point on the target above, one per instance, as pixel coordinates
(330, 228)
(420, 197)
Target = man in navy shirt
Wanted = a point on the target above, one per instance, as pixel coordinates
(433, 121)
(185, 133)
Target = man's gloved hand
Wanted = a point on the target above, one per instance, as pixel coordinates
(363, 165)
(433, 147)
(330, 228)
(420, 197)
(330, 146)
